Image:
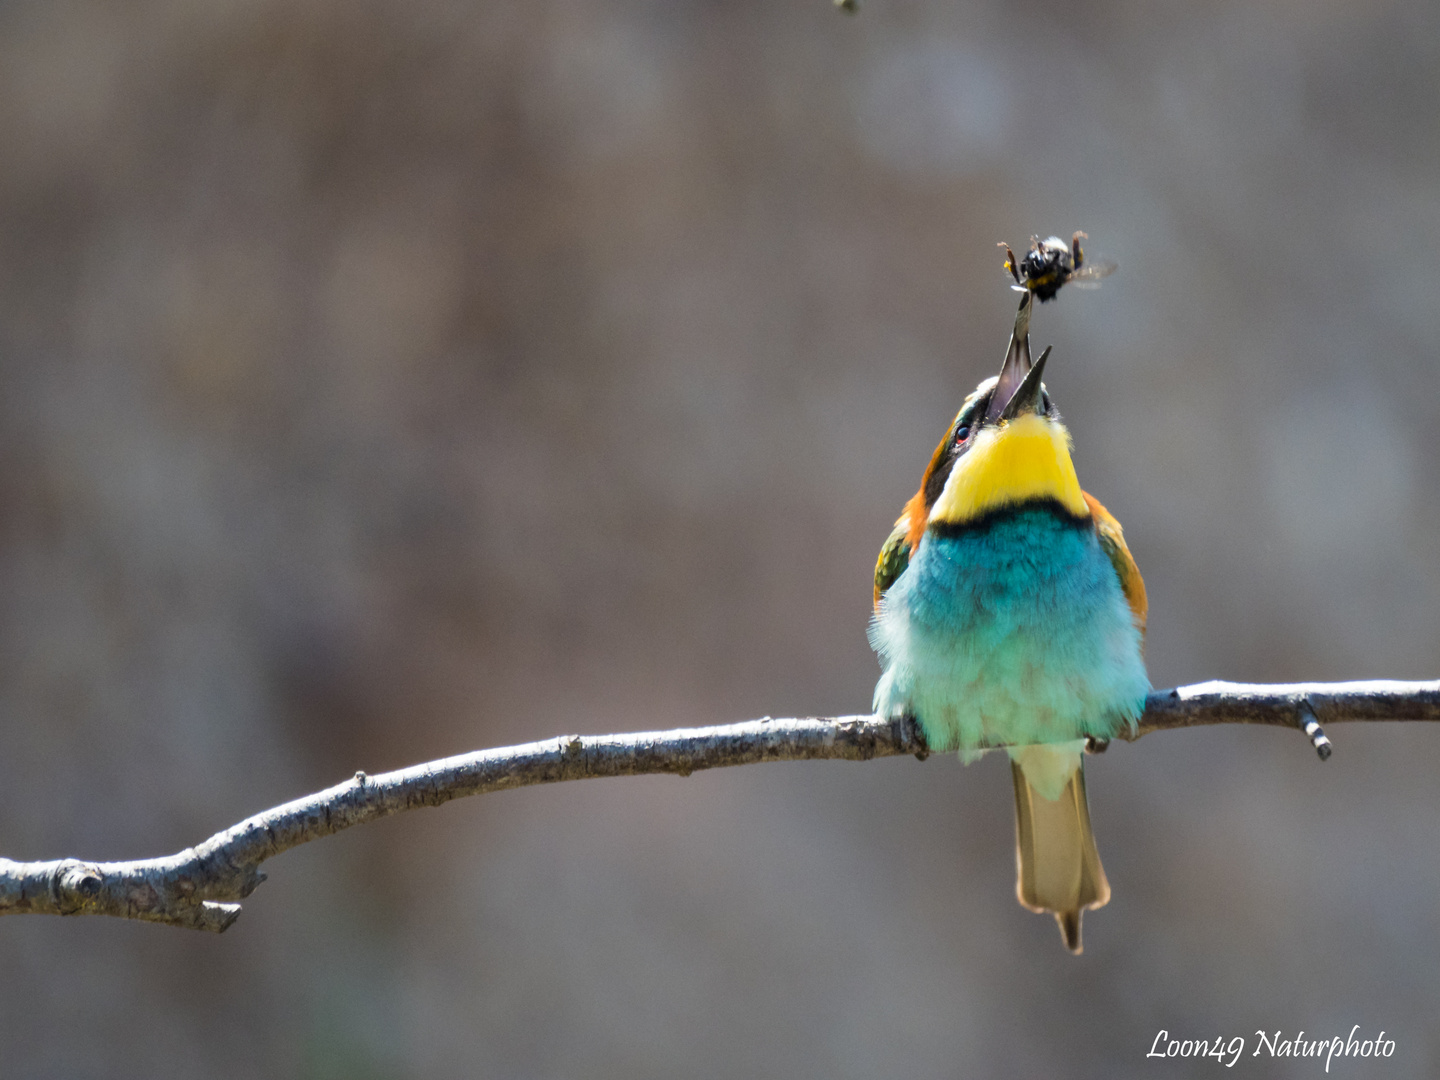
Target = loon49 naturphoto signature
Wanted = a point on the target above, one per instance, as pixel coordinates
(1228, 1051)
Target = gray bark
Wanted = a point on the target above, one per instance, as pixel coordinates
(200, 887)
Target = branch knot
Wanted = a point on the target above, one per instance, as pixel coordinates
(73, 884)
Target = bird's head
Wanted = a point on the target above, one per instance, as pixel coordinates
(1006, 447)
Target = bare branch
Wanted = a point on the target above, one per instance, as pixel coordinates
(201, 886)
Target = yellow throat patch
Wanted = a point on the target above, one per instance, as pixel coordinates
(1022, 459)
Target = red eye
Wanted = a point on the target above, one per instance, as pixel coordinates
(962, 435)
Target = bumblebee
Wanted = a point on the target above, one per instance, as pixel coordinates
(1050, 264)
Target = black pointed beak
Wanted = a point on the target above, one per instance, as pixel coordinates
(1017, 362)
(1028, 393)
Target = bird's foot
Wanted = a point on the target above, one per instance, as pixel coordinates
(914, 736)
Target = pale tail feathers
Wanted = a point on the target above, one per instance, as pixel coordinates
(1057, 866)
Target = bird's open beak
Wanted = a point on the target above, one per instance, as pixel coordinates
(1017, 366)
(1028, 392)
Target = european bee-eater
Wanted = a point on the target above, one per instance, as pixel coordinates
(1009, 612)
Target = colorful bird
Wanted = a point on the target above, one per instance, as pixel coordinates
(1009, 612)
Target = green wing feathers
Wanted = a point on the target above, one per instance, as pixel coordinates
(894, 557)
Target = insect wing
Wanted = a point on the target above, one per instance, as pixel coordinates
(1089, 275)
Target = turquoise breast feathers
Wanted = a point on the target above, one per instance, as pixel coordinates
(1012, 630)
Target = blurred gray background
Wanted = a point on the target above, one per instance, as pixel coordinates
(381, 380)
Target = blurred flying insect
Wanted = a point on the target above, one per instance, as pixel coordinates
(1050, 264)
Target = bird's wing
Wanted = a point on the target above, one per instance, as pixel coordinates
(1112, 540)
(894, 557)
